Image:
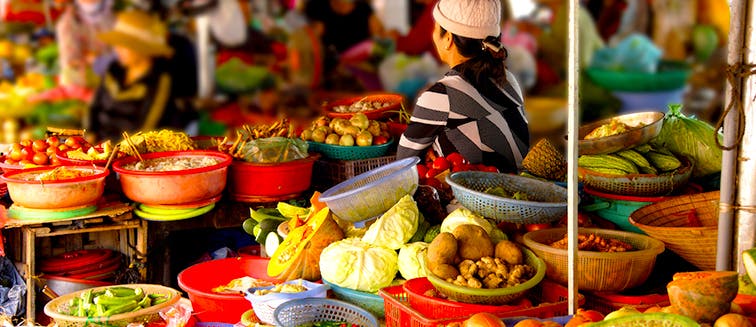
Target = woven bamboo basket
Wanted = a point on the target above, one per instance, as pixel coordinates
(670, 221)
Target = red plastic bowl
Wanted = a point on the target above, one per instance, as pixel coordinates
(59, 194)
(9, 169)
(395, 101)
(199, 280)
(174, 187)
(252, 180)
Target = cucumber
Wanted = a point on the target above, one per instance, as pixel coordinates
(266, 226)
(272, 241)
(657, 319)
(261, 214)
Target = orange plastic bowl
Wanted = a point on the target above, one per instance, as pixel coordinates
(67, 193)
(394, 103)
(199, 280)
(257, 180)
(174, 187)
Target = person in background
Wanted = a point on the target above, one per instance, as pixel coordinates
(81, 55)
(135, 94)
(476, 109)
(419, 39)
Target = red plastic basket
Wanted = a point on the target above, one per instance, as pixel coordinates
(549, 298)
(606, 302)
(434, 307)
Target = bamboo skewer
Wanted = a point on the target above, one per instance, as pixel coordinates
(131, 144)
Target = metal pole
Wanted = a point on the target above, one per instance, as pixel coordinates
(746, 194)
(735, 46)
(573, 105)
(204, 56)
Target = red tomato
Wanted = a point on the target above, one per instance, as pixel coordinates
(529, 323)
(73, 142)
(11, 161)
(39, 146)
(462, 167)
(380, 139)
(26, 143)
(483, 319)
(455, 159)
(440, 164)
(432, 173)
(50, 152)
(490, 169)
(16, 155)
(17, 146)
(40, 158)
(422, 171)
(27, 153)
(53, 141)
(63, 147)
(54, 161)
(434, 183)
(534, 227)
(584, 316)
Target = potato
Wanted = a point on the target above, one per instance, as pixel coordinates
(445, 271)
(442, 250)
(473, 242)
(509, 251)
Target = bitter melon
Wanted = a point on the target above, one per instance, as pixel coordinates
(639, 160)
(611, 161)
(662, 161)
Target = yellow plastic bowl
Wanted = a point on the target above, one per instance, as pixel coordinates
(545, 114)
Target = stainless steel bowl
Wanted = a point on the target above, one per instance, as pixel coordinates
(652, 124)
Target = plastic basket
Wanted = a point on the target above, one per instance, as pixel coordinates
(669, 221)
(491, 296)
(341, 152)
(598, 271)
(437, 307)
(373, 303)
(311, 310)
(670, 76)
(372, 193)
(332, 172)
(638, 184)
(547, 201)
(549, 300)
(608, 302)
(265, 305)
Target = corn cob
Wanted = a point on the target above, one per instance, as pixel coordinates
(607, 161)
(639, 160)
(544, 160)
(662, 161)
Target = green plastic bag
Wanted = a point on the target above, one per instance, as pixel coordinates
(275, 150)
(692, 138)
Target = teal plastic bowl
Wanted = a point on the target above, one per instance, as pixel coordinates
(340, 152)
(368, 301)
(670, 76)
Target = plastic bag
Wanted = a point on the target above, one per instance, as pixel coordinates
(635, 53)
(227, 23)
(12, 289)
(692, 138)
(275, 150)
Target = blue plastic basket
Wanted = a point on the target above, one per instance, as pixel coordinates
(265, 305)
(341, 152)
(311, 310)
(368, 301)
(547, 202)
(370, 194)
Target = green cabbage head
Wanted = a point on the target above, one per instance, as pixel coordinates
(395, 227)
(358, 265)
(412, 260)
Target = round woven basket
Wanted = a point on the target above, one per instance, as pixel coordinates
(638, 184)
(547, 202)
(598, 271)
(670, 222)
(341, 152)
(312, 310)
(54, 307)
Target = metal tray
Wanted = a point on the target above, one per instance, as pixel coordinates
(652, 124)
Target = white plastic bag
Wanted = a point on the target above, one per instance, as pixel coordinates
(227, 23)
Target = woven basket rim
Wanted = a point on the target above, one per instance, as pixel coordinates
(668, 203)
(655, 249)
(687, 166)
(336, 192)
(326, 302)
(450, 179)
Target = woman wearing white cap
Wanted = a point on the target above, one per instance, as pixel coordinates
(476, 109)
(135, 93)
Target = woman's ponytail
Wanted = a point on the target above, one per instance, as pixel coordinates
(487, 58)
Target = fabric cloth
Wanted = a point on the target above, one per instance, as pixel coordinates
(341, 31)
(420, 37)
(143, 105)
(475, 19)
(484, 123)
(78, 44)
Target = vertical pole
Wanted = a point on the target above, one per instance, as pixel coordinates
(204, 56)
(573, 105)
(30, 260)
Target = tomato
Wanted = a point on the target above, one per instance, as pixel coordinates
(16, 155)
(40, 158)
(732, 320)
(380, 139)
(584, 316)
(17, 146)
(455, 159)
(462, 167)
(529, 323)
(483, 319)
(63, 148)
(490, 169)
(535, 227)
(25, 162)
(440, 164)
(39, 146)
(27, 153)
(50, 151)
(11, 161)
(53, 141)
(432, 173)
(54, 161)
(421, 170)
(73, 142)
(26, 143)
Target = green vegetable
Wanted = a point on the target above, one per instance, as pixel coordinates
(395, 227)
(358, 265)
(692, 138)
(462, 216)
(422, 228)
(121, 308)
(745, 286)
(432, 232)
(412, 260)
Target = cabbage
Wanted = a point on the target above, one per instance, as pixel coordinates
(358, 265)
(395, 227)
(412, 260)
(692, 138)
(463, 216)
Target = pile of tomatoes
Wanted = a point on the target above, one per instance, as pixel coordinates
(43, 152)
(435, 166)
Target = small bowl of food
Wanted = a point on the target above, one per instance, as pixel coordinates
(374, 106)
(56, 187)
(173, 177)
(619, 133)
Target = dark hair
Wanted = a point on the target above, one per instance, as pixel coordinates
(487, 58)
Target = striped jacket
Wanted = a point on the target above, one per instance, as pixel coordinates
(484, 123)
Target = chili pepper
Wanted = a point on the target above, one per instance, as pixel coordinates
(111, 301)
(123, 307)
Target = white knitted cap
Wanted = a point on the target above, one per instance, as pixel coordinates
(476, 19)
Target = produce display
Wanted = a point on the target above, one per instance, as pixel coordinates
(265, 143)
(614, 127)
(361, 105)
(545, 161)
(703, 296)
(357, 130)
(642, 159)
(156, 141)
(112, 301)
(43, 152)
(59, 174)
(593, 242)
(171, 164)
(241, 284)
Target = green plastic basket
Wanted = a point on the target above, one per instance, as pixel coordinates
(368, 301)
(670, 76)
(340, 152)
